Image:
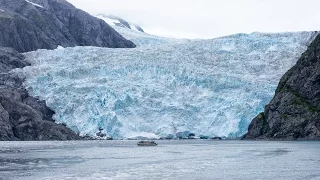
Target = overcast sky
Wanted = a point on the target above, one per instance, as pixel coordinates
(210, 18)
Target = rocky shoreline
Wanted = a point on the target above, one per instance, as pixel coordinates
(294, 112)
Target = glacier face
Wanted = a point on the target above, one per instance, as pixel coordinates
(209, 87)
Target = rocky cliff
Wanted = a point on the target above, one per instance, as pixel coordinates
(45, 24)
(294, 112)
(23, 117)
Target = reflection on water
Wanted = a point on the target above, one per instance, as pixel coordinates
(12, 164)
(277, 152)
(192, 159)
(265, 153)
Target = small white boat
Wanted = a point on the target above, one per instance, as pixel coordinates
(147, 143)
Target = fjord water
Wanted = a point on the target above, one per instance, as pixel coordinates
(164, 86)
(184, 159)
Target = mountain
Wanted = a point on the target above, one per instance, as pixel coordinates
(164, 86)
(294, 111)
(28, 25)
(117, 21)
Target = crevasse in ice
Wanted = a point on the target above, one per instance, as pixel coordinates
(210, 87)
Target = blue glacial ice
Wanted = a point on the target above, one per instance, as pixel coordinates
(210, 87)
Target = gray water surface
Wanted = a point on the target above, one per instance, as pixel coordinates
(184, 159)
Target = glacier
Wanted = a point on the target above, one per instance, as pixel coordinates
(211, 87)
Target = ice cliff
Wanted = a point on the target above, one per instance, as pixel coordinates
(164, 86)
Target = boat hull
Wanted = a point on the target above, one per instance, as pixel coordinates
(143, 143)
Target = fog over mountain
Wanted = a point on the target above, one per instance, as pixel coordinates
(207, 18)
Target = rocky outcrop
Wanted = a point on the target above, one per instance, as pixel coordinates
(294, 112)
(45, 24)
(23, 117)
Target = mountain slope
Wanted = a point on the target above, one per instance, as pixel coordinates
(294, 111)
(45, 24)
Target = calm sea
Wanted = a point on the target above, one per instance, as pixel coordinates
(176, 159)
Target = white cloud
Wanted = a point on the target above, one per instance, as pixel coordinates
(211, 18)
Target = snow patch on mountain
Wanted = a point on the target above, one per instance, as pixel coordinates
(37, 5)
(116, 21)
(108, 20)
(209, 87)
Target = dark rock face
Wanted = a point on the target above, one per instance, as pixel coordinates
(10, 59)
(294, 112)
(26, 27)
(23, 117)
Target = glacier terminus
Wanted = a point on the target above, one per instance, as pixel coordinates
(211, 87)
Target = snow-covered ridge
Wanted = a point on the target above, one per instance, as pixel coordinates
(209, 87)
(34, 4)
(116, 21)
